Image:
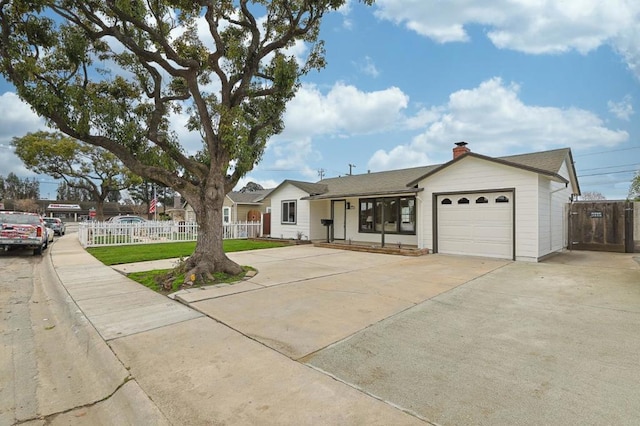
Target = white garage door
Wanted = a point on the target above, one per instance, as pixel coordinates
(478, 224)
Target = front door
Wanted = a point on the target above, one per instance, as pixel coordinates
(339, 216)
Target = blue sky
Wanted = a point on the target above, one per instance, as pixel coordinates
(406, 79)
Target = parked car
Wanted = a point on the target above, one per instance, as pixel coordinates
(23, 230)
(126, 219)
(58, 226)
(50, 233)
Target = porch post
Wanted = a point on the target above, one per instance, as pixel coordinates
(382, 223)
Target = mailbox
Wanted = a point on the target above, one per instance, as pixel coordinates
(327, 223)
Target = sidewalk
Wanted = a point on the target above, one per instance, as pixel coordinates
(200, 371)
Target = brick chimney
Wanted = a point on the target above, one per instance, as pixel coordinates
(461, 148)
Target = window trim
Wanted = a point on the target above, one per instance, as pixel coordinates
(226, 209)
(376, 201)
(295, 212)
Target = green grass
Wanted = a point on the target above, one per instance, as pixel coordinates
(155, 279)
(114, 255)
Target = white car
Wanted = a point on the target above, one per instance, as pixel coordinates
(126, 219)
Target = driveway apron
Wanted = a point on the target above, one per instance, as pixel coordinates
(550, 343)
(315, 297)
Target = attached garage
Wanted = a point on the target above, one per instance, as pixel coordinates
(509, 207)
(475, 224)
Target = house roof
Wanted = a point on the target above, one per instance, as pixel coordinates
(544, 162)
(389, 182)
(308, 187)
(250, 197)
(404, 180)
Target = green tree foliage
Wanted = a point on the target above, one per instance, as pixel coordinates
(14, 188)
(82, 166)
(143, 193)
(634, 189)
(234, 85)
(66, 192)
(592, 196)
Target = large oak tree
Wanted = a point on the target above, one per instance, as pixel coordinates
(234, 86)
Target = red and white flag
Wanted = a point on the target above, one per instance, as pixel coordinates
(152, 205)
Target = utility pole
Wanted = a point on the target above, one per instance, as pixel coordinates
(351, 167)
(321, 173)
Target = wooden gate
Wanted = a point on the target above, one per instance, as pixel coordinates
(601, 226)
(266, 224)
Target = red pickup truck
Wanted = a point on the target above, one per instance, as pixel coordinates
(23, 230)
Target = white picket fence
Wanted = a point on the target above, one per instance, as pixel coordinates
(95, 234)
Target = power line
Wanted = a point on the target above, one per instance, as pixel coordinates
(610, 167)
(606, 152)
(608, 173)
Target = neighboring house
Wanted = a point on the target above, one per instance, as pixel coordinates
(238, 207)
(509, 207)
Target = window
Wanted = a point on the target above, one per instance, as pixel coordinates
(502, 199)
(366, 215)
(482, 200)
(396, 215)
(226, 215)
(289, 212)
(408, 215)
(463, 200)
(446, 201)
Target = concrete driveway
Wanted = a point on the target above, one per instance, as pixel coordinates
(309, 298)
(452, 340)
(323, 336)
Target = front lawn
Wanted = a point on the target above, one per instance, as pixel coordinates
(114, 255)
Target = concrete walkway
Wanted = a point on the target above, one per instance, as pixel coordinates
(324, 336)
(219, 368)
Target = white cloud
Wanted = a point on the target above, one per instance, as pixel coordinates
(493, 119)
(16, 120)
(368, 67)
(530, 26)
(402, 156)
(623, 109)
(344, 109)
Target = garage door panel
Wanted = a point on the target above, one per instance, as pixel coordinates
(477, 229)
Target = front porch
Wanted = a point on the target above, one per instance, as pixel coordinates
(369, 247)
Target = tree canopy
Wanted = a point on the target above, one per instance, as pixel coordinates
(82, 166)
(634, 189)
(14, 188)
(111, 73)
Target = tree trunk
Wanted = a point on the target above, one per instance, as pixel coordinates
(209, 255)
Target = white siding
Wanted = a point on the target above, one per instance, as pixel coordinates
(474, 174)
(553, 198)
(320, 209)
(289, 192)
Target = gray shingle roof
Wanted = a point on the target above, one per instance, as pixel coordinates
(403, 180)
(549, 161)
(252, 197)
(389, 182)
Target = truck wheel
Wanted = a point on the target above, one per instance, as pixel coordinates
(37, 251)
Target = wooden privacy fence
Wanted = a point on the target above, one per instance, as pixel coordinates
(95, 234)
(601, 226)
